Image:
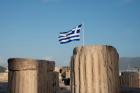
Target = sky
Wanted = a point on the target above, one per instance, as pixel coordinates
(30, 28)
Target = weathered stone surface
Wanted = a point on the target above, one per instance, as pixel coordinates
(53, 82)
(94, 69)
(30, 76)
(29, 64)
(130, 79)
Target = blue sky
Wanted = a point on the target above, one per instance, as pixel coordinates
(30, 28)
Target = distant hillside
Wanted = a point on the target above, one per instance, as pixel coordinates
(2, 69)
(126, 63)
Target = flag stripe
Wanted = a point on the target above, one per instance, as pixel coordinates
(69, 37)
(69, 41)
(69, 33)
(65, 32)
(74, 39)
(61, 37)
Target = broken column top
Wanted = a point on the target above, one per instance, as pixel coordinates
(28, 64)
(92, 48)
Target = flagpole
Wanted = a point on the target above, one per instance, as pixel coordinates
(83, 34)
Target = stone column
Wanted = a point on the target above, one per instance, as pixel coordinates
(28, 75)
(94, 69)
(22, 76)
(130, 79)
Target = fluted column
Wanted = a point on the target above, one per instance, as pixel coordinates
(29, 76)
(94, 69)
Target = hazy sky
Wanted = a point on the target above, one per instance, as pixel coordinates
(30, 28)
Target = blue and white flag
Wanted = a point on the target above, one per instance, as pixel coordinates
(72, 35)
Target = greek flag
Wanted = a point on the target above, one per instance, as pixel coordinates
(72, 35)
